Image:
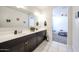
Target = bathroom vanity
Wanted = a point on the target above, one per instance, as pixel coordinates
(20, 29)
(25, 42)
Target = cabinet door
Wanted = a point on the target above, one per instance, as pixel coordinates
(28, 47)
(39, 37)
(30, 44)
(18, 48)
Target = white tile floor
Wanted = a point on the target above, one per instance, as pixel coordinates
(51, 47)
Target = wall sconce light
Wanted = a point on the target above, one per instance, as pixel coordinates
(37, 23)
(45, 23)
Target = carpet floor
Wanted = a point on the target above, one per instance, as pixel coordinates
(60, 39)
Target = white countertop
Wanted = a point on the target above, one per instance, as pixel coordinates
(11, 36)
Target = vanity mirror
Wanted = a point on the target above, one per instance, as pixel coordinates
(20, 19)
(13, 18)
(31, 21)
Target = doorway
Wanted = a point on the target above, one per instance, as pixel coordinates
(60, 24)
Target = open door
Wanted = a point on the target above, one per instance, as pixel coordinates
(60, 24)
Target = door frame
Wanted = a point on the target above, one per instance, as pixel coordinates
(49, 26)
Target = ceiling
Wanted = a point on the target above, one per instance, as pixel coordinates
(57, 11)
(30, 9)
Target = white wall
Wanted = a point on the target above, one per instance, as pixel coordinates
(8, 13)
(75, 29)
(49, 23)
(70, 29)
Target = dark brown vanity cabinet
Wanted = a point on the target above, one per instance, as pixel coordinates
(34, 40)
(23, 44)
